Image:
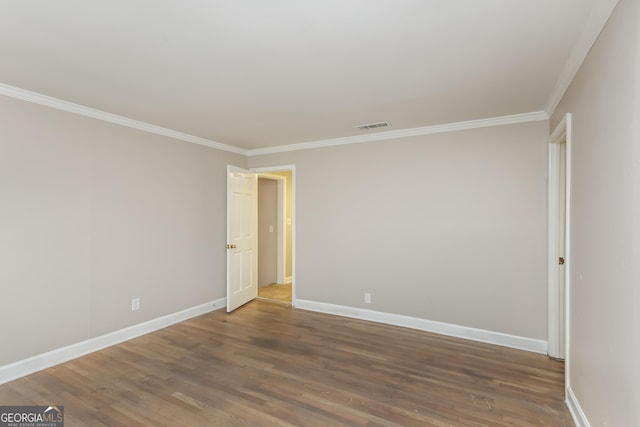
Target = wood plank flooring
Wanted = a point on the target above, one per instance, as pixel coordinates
(267, 364)
(276, 292)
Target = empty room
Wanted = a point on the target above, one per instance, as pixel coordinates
(320, 213)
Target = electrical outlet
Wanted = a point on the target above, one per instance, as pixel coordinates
(367, 298)
(135, 304)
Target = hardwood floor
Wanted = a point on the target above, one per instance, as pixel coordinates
(267, 364)
(276, 292)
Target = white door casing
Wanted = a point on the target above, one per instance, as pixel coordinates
(559, 227)
(242, 238)
(285, 247)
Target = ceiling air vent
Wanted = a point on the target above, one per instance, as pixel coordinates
(373, 126)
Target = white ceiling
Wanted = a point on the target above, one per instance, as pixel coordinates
(263, 73)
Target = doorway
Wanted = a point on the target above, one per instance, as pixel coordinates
(275, 234)
(559, 248)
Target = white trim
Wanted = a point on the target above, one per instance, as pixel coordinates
(560, 135)
(560, 132)
(599, 16)
(578, 415)
(292, 169)
(567, 250)
(555, 171)
(71, 107)
(55, 357)
(497, 338)
(552, 278)
(403, 133)
(59, 104)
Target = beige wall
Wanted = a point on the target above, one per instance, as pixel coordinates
(447, 227)
(94, 214)
(604, 100)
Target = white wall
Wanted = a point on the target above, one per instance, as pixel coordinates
(93, 214)
(447, 227)
(604, 100)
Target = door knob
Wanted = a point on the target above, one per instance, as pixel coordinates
(228, 246)
(561, 260)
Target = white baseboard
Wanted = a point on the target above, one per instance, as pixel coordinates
(498, 338)
(55, 357)
(578, 415)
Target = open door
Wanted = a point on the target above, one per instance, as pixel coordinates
(242, 237)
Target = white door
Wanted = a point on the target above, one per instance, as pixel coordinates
(560, 250)
(242, 238)
(559, 229)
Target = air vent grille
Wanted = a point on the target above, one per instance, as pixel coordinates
(373, 125)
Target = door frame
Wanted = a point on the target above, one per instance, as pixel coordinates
(281, 241)
(292, 169)
(559, 305)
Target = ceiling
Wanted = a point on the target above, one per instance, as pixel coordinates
(263, 73)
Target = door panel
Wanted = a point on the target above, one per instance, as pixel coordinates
(242, 272)
(561, 252)
(559, 187)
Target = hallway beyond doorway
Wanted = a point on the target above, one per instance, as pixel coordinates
(276, 292)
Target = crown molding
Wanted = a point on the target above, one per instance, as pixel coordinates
(599, 16)
(403, 133)
(70, 107)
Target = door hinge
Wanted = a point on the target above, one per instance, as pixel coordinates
(229, 246)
